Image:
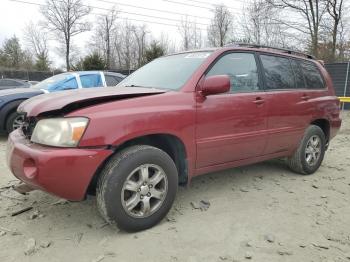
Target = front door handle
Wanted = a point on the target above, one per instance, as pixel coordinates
(259, 101)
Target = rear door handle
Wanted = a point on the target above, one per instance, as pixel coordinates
(305, 97)
(259, 101)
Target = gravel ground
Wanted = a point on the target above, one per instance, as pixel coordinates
(261, 212)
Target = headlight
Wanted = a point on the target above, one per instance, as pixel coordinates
(61, 132)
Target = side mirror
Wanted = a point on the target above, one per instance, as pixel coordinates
(216, 85)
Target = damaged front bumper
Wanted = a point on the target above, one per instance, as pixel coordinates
(64, 172)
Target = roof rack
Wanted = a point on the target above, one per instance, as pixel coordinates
(282, 50)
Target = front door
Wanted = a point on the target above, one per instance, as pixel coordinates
(232, 126)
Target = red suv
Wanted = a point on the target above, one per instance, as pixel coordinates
(177, 117)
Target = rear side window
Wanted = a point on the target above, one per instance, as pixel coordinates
(112, 80)
(93, 80)
(278, 72)
(298, 73)
(9, 83)
(313, 78)
(242, 70)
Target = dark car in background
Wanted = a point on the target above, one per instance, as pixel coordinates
(11, 98)
(7, 83)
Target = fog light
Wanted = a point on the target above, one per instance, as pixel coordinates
(29, 168)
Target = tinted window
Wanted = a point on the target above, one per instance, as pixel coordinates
(313, 78)
(298, 74)
(278, 72)
(2, 82)
(112, 80)
(6, 82)
(93, 80)
(242, 70)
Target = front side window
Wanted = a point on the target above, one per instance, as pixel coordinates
(55, 82)
(168, 72)
(91, 80)
(65, 85)
(278, 72)
(313, 78)
(241, 69)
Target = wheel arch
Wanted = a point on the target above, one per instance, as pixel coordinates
(6, 110)
(169, 143)
(324, 124)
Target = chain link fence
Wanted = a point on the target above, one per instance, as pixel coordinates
(27, 75)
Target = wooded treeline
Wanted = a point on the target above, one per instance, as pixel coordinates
(318, 27)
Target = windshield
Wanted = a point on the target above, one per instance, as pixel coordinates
(169, 72)
(50, 83)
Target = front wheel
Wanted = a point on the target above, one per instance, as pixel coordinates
(309, 155)
(137, 187)
(14, 121)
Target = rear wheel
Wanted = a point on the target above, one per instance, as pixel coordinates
(309, 155)
(14, 121)
(137, 187)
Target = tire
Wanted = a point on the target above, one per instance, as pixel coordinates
(12, 121)
(301, 161)
(125, 170)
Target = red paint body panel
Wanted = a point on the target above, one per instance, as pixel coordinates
(218, 131)
(225, 133)
(65, 172)
(58, 100)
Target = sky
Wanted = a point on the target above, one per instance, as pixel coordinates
(164, 18)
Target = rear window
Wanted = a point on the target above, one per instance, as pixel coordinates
(278, 72)
(112, 80)
(313, 78)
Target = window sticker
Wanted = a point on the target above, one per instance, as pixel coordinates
(198, 55)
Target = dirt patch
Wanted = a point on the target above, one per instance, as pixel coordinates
(261, 212)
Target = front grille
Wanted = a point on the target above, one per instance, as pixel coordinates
(28, 126)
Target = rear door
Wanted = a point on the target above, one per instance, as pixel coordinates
(231, 126)
(289, 110)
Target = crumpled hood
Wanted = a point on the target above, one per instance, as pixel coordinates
(67, 101)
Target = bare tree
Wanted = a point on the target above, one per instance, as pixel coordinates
(191, 34)
(311, 13)
(335, 11)
(66, 19)
(103, 35)
(220, 26)
(125, 46)
(37, 42)
(259, 25)
(168, 45)
(140, 33)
